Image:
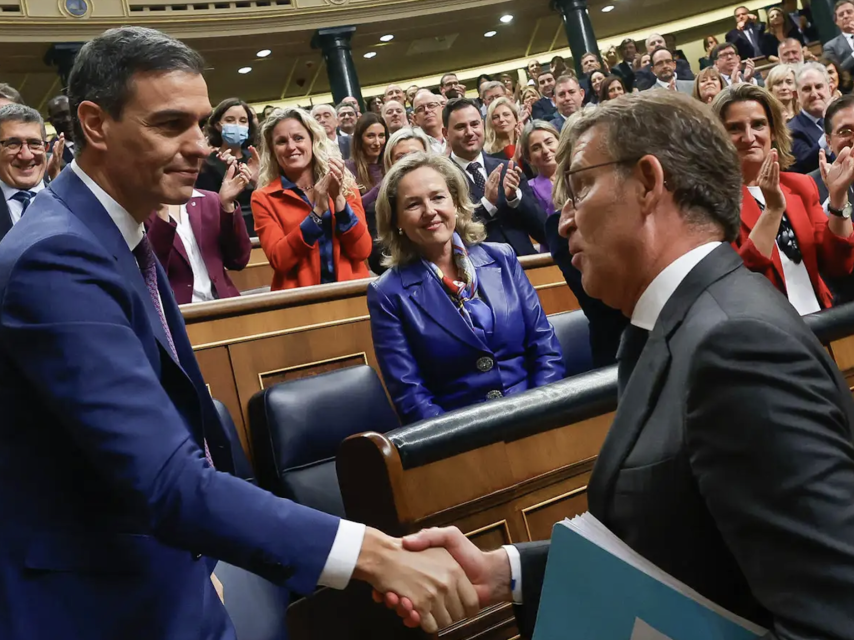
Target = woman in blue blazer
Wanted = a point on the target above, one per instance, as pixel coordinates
(454, 322)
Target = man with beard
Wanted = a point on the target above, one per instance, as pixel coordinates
(664, 68)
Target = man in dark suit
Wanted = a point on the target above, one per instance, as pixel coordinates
(22, 162)
(645, 78)
(545, 108)
(807, 128)
(569, 99)
(110, 502)
(628, 50)
(59, 116)
(747, 34)
(841, 48)
(503, 200)
(730, 462)
(327, 118)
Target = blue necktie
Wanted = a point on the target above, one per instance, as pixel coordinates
(24, 197)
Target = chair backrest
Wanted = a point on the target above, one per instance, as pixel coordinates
(573, 333)
(298, 425)
(242, 468)
(257, 608)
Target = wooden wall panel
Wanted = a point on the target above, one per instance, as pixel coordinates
(252, 276)
(216, 368)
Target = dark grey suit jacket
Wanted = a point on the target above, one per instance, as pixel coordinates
(730, 462)
(839, 50)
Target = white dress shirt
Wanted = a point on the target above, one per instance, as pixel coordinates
(202, 288)
(490, 208)
(799, 289)
(348, 540)
(645, 315)
(16, 209)
(437, 145)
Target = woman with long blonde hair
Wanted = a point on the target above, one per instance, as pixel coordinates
(503, 129)
(307, 209)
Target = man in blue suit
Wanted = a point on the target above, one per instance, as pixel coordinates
(113, 516)
(503, 200)
(807, 128)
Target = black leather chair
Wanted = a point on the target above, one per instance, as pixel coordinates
(242, 468)
(573, 333)
(298, 425)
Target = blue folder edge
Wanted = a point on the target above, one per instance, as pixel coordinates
(589, 594)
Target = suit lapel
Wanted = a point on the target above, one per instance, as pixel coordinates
(83, 204)
(428, 293)
(647, 380)
(5, 217)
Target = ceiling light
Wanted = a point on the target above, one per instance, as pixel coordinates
(507, 19)
(263, 53)
(370, 54)
(244, 70)
(489, 34)
(387, 38)
(608, 8)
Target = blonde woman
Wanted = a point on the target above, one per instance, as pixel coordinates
(402, 143)
(781, 83)
(529, 96)
(307, 209)
(503, 129)
(454, 322)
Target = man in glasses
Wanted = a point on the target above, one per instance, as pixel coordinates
(664, 68)
(22, 161)
(427, 114)
(451, 87)
(730, 462)
(728, 63)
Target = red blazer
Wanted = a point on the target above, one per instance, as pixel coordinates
(278, 214)
(823, 251)
(222, 239)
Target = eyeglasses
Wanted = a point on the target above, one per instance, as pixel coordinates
(568, 175)
(430, 106)
(727, 54)
(14, 145)
(660, 63)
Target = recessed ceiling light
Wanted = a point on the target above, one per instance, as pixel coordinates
(387, 38)
(489, 34)
(608, 9)
(263, 53)
(507, 19)
(244, 70)
(370, 54)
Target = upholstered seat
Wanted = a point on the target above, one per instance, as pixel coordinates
(573, 333)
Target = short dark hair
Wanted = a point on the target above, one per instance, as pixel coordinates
(344, 105)
(104, 69)
(21, 113)
(589, 53)
(843, 102)
(9, 92)
(455, 105)
(625, 43)
(545, 73)
(445, 77)
(741, 7)
(721, 47)
(656, 50)
(606, 84)
(214, 135)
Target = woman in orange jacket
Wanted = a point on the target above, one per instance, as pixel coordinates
(307, 209)
(786, 235)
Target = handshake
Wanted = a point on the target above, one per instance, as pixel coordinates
(433, 578)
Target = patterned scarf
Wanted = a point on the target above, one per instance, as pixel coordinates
(463, 293)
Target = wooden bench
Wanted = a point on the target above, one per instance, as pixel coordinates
(246, 344)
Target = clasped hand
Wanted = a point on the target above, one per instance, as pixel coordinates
(329, 187)
(486, 577)
(511, 181)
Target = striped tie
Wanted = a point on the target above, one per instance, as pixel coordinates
(24, 197)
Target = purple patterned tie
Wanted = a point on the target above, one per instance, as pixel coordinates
(144, 255)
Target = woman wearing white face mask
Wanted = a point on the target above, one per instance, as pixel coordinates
(231, 132)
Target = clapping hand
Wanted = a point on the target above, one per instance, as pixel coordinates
(838, 176)
(236, 178)
(489, 572)
(749, 69)
(769, 183)
(54, 165)
(490, 191)
(511, 181)
(254, 165)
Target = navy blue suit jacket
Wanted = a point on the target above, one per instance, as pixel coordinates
(5, 218)
(433, 362)
(112, 517)
(805, 143)
(513, 226)
(543, 109)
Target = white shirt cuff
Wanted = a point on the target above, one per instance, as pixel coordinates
(516, 200)
(343, 556)
(488, 206)
(515, 572)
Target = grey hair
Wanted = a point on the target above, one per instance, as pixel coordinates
(104, 69)
(21, 113)
(323, 107)
(535, 125)
(9, 92)
(812, 66)
(405, 133)
(398, 249)
(700, 164)
(492, 84)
